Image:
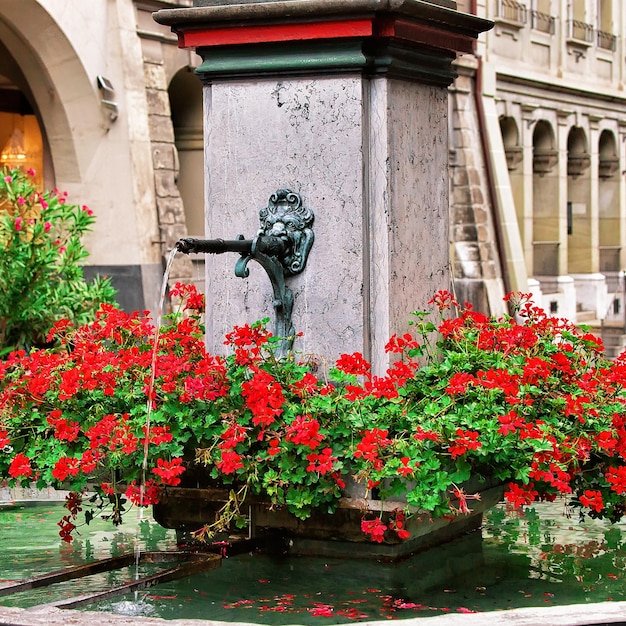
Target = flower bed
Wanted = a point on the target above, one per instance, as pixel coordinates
(527, 401)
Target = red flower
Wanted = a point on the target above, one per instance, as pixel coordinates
(307, 385)
(465, 440)
(510, 422)
(374, 528)
(274, 447)
(322, 462)
(458, 382)
(443, 300)
(405, 469)
(398, 344)
(354, 364)
(397, 522)
(371, 444)
(143, 495)
(592, 499)
(616, 476)
(521, 495)
(158, 435)
(107, 489)
(73, 501)
(304, 431)
(264, 397)
(67, 527)
(230, 462)
(4, 438)
(425, 435)
(169, 471)
(20, 466)
(64, 430)
(64, 467)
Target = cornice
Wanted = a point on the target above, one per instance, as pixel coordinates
(411, 39)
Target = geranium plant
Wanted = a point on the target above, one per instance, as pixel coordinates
(41, 276)
(527, 400)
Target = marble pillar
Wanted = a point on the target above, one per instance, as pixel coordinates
(344, 103)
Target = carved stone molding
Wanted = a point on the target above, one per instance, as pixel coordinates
(544, 160)
(514, 156)
(578, 164)
(608, 167)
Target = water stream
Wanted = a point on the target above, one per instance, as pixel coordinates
(155, 352)
(539, 559)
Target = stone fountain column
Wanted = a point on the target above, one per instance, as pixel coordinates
(344, 102)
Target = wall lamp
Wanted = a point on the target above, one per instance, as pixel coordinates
(108, 96)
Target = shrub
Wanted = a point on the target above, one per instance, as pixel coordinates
(41, 278)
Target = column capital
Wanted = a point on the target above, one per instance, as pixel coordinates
(412, 39)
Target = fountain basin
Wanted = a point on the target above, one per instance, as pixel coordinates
(336, 534)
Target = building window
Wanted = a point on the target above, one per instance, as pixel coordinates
(578, 25)
(541, 17)
(605, 37)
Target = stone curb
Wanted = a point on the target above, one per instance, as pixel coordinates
(573, 615)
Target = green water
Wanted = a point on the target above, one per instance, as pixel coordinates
(539, 559)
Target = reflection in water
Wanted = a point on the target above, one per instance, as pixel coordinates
(540, 558)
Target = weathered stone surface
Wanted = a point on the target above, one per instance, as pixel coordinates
(170, 210)
(155, 76)
(163, 156)
(158, 102)
(161, 128)
(165, 184)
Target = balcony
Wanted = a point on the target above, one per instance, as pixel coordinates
(542, 22)
(512, 12)
(606, 41)
(580, 32)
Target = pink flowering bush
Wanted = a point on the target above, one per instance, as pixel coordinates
(41, 278)
(527, 400)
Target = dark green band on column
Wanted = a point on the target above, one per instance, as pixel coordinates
(379, 57)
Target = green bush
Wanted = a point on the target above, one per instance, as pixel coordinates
(41, 278)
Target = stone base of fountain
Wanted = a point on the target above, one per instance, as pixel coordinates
(335, 534)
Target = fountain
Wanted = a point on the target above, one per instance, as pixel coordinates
(344, 102)
(346, 105)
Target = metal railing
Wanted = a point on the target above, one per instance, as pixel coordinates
(581, 31)
(542, 22)
(513, 11)
(606, 41)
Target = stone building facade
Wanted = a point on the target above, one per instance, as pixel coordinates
(85, 97)
(538, 128)
(106, 106)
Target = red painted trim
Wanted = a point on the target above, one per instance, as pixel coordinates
(274, 32)
(429, 35)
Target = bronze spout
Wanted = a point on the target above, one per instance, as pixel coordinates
(272, 245)
(190, 245)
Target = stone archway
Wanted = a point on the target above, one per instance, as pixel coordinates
(580, 249)
(185, 95)
(546, 224)
(54, 80)
(514, 160)
(610, 226)
(21, 139)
